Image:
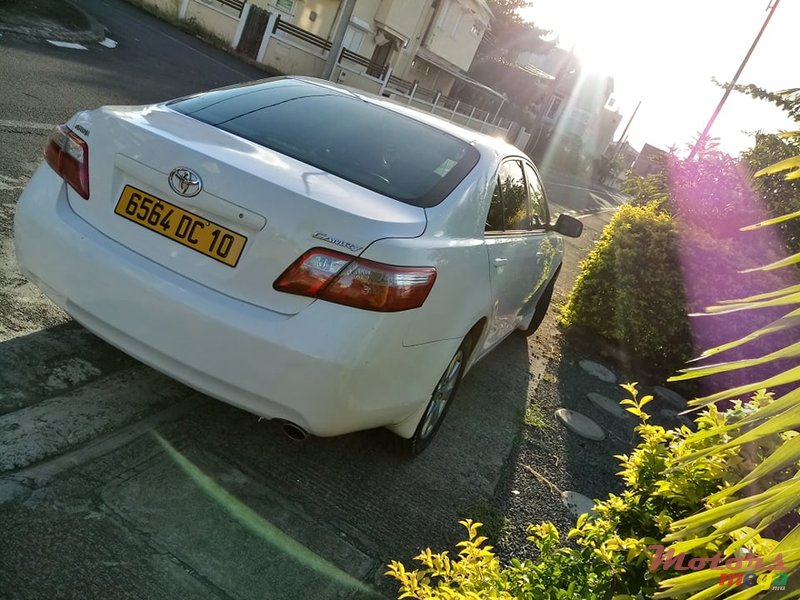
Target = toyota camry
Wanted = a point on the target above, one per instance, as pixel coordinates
(297, 249)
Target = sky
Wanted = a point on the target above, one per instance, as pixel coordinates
(664, 53)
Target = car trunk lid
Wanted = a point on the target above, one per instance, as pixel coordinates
(273, 207)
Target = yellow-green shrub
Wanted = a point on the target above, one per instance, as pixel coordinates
(669, 477)
(630, 288)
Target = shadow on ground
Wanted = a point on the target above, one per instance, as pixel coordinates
(241, 509)
(549, 459)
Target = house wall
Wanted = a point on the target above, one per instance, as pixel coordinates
(402, 61)
(649, 162)
(431, 77)
(169, 7)
(356, 79)
(287, 57)
(457, 31)
(364, 19)
(325, 10)
(401, 18)
(607, 124)
(221, 22)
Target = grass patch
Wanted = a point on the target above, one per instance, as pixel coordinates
(491, 515)
(535, 417)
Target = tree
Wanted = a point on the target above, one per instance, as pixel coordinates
(780, 196)
(520, 86)
(510, 34)
(787, 100)
(768, 494)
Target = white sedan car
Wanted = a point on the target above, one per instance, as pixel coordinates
(293, 248)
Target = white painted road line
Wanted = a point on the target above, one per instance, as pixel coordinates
(7, 124)
(108, 43)
(71, 45)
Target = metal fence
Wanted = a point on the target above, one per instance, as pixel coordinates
(306, 36)
(234, 4)
(406, 92)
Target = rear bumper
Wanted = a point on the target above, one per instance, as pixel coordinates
(330, 369)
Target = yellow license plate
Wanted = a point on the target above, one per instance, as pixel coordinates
(180, 225)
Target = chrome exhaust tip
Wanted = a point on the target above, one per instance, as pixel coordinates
(294, 432)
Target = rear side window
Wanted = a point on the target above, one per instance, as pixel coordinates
(515, 196)
(342, 134)
(539, 212)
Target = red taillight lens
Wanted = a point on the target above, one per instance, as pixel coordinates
(68, 155)
(344, 279)
(312, 272)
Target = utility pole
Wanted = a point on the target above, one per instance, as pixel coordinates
(624, 131)
(338, 38)
(703, 136)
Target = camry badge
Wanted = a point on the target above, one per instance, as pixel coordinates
(332, 240)
(185, 182)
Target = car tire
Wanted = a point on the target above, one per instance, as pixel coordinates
(542, 306)
(441, 399)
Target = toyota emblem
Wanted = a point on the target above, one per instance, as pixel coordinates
(185, 182)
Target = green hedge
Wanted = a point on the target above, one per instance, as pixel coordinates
(630, 289)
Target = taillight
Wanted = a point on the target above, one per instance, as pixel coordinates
(68, 155)
(344, 279)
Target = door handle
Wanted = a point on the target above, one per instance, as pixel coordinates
(500, 261)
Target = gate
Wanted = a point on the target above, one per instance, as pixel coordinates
(253, 31)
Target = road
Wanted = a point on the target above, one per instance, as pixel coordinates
(118, 482)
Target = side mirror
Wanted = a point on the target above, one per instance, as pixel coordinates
(568, 226)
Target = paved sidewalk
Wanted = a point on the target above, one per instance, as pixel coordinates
(206, 502)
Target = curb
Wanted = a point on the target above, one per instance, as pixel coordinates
(95, 33)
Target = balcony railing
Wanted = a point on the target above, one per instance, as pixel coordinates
(306, 36)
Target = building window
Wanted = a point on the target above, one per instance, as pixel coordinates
(555, 104)
(285, 6)
(443, 14)
(457, 24)
(353, 39)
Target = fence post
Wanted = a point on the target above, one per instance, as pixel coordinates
(184, 7)
(385, 82)
(498, 110)
(484, 122)
(436, 100)
(237, 37)
(469, 120)
(455, 108)
(262, 49)
(413, 91)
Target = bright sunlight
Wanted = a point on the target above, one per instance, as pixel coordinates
(665, 55)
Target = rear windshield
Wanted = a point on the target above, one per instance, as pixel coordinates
(347, 136)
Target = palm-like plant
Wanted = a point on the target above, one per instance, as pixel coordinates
(739, 513)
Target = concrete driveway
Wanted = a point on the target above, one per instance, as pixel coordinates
(117, 482)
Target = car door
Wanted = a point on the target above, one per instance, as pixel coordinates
(512, 245)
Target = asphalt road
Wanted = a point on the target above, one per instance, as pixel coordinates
(118, 482)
